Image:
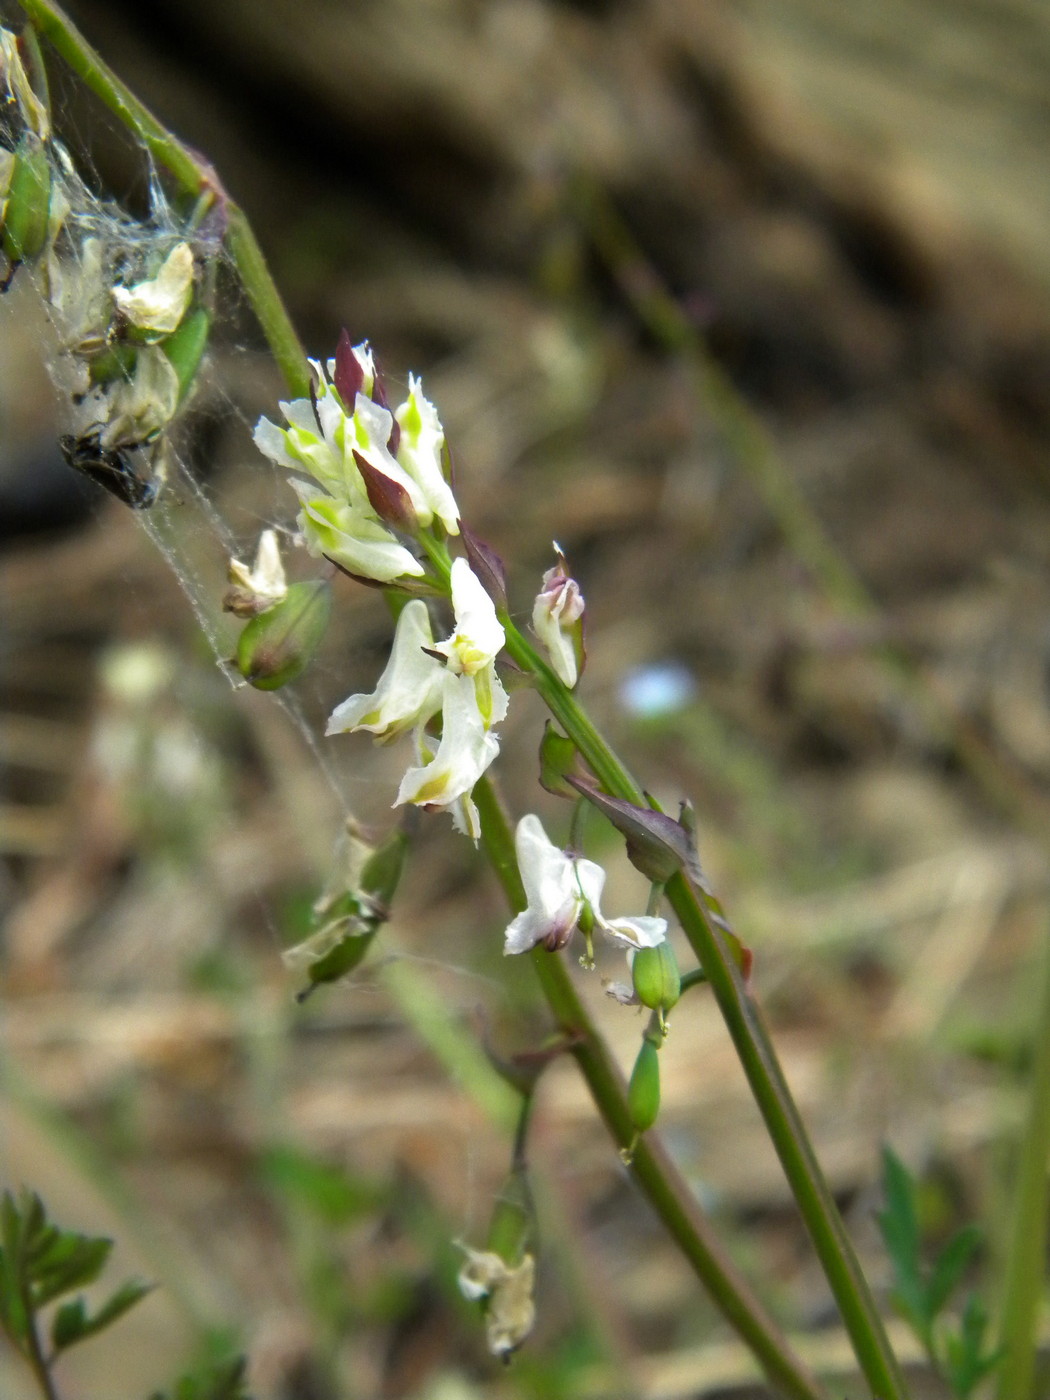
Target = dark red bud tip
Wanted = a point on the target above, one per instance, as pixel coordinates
(390, 501)
(379, 396)
(349, 376)
(487, 565)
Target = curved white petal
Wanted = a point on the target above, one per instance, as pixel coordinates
(408, 692)
(549, 879)
(638, 931)
(479, 636)
(420, 453)
(361, 544)
(465, 751)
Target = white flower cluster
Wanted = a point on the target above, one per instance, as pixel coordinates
(463, 686)
(377, 477)
(348, 442)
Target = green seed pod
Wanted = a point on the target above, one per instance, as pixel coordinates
(338, 961)
(657, 981)
(28, 202)
(643, 1092)
(277, 646)
(186, 345)
(512, 1226)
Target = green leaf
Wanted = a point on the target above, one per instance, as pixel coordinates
(966, 1362)
(224, 1380)
(950, 1267)
(899, 1225)
(73, 1324)
(71, 1261)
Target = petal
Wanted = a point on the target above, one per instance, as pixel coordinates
(465, 751)
(478, 636)
(639, 931)
(547, 873)
(359, 543)
(590, 878)
(420, 453)
(409, 690)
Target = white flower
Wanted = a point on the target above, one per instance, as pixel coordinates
(159, 304)
(416, 684)
(256, 589)
(420, 453)
(558, 888)
(556, 620)
(409, 691)
(131, 412)
(467, 747)
(476, 641)
(339, 444)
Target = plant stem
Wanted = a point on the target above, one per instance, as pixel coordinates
(656, 1174)
(35, 1355)
(1025, 1262)
(651, 1167)
(755, 1050)
(192, 177)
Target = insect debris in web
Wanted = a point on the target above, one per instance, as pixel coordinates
(112, 467)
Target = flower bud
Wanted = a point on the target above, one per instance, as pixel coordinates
(557, 619)
(258, 589)
(277, 646)
(28, 202)
(643, 1092)
(388, 498)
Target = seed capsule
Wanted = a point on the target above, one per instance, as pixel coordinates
(277, 646)
(185, 347)
(657, 981)
(643, 1092)
(28, 203)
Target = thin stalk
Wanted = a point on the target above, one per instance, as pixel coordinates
(656, 1174)
(38, 1363)
(653, 1171)
(755, 1050)
(192, 177)
(1026, 1256)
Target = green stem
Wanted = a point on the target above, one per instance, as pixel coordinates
(654, 1171)
(34, 1354)
(1025, 1263)
(656, 1174)
(192, 177)
(755, 1049)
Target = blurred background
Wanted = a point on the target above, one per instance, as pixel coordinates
(749, 308)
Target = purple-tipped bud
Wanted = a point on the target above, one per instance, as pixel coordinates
(486, 563)
(379, 396)
(390, 501)
(349, 377)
